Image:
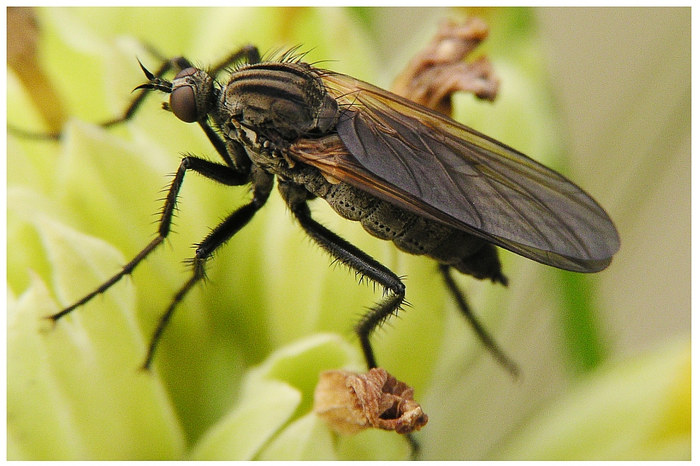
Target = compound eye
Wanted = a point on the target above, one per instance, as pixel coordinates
(182, 100)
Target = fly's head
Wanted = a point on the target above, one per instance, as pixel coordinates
(192, 92)
(279, 101)
(191, 97)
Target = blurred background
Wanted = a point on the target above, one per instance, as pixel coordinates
(621, 76)
(601, 94)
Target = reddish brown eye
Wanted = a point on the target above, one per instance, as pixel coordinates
(182, 99)
(183, 104)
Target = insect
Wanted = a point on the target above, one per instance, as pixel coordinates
(408, 174)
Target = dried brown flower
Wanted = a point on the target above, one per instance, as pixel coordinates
(439, 70)
(351, 402)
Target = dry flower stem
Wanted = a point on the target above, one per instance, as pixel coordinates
(23, 34)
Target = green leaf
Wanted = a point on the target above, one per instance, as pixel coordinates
(587, 422)
(76, 391)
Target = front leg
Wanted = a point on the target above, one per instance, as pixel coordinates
(262, 185)
(296, 198)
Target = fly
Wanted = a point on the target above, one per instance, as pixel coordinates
(408, 174)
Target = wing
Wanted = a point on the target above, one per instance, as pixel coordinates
(419, 160)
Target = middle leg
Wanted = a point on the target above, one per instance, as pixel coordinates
(296, 198)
